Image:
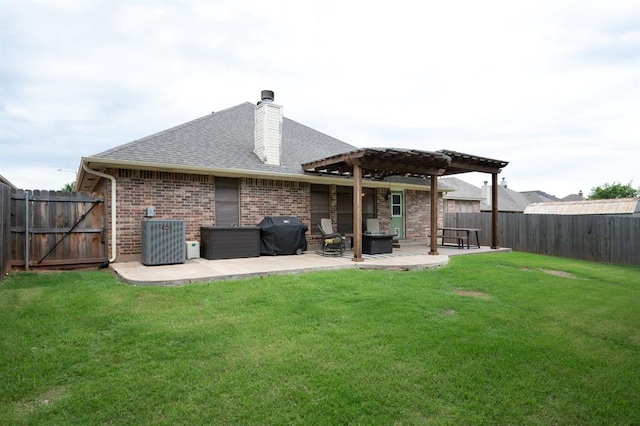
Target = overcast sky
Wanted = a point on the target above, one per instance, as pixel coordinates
(551, 86)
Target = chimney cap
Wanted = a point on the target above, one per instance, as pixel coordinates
(267, 96)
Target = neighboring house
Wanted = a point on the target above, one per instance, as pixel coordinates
(573, 197)
(467, 198)
(616, 206)
(539, 197)
(460, 196)
(509, 201)
(236, 166)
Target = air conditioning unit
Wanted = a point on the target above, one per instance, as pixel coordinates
(163, 242)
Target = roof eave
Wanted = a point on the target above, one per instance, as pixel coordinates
(101, 164)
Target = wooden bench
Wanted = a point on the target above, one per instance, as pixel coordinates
(459, 240)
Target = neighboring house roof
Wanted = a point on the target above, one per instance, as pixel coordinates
(612, 206)
(508, 201)
(6, 182)
(461, 190)
(573, 197)
(539, 196)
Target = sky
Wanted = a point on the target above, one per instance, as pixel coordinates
(551, 86)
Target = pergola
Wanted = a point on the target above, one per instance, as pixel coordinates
(379, 163)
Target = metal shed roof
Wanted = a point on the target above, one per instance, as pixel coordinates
(612, 206)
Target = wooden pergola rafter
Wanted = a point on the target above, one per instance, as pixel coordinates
(379, 163)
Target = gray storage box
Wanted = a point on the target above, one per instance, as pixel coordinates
(229, 242)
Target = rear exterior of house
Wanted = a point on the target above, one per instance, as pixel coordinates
(235, 167)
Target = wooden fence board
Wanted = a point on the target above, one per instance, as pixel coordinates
(597, 238)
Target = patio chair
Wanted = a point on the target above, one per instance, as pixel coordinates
(332, 242)
(373, 225)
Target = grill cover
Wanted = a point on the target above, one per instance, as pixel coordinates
(282, 235)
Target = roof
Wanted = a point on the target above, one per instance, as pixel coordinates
(539, 196)
(573, 197)
(612, 206)
(461, 190)
(221, 141)
(508, 201)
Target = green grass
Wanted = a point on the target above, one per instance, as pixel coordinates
(489, 339)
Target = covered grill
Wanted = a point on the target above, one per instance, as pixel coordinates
(282, 235)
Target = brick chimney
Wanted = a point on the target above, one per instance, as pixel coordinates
(268, 130)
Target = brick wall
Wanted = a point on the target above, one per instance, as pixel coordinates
(173, 195)
(463, 206)
(265, 197)
(418, 213)
(192, 197)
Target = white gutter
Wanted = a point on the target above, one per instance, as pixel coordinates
(113, 207)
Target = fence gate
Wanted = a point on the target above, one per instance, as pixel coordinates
(57, 229)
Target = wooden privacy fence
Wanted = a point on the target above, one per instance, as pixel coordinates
(610, 239)
(5, 229)
(56, 229)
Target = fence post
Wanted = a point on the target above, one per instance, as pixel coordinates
(26, 230)
(494, 211)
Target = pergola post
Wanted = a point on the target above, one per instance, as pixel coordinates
(433, 250)
(357, 212)
(494, 211)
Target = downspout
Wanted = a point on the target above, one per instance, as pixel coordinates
(113, 207)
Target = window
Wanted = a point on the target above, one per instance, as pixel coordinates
(345, 207)
(227, 201)
(396, 205)
(319, 206)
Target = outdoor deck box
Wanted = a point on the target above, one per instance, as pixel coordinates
(229, 242)
(377, 243)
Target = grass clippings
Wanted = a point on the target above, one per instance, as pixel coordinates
(470, 293)
(556, 273)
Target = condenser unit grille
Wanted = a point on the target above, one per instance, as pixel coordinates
(163, 242)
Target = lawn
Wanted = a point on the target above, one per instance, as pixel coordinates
(502, 338)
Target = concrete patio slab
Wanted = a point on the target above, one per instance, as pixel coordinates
(410, 257)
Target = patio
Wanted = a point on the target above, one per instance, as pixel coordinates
(412, 255)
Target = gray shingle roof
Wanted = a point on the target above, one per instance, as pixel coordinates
(539, 196)
(508, 201)
(463, 190)
(225, 140)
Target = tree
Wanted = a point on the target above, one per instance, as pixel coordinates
(613, 190)
(68, 186)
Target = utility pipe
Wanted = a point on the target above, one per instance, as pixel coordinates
(113, 207)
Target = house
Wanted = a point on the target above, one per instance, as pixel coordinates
(236, 166)
(539, 196)
(574, 197)
(615, 206)
(464, 197)
(509, 201)
(460, 196)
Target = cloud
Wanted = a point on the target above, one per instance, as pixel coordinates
(551, 86)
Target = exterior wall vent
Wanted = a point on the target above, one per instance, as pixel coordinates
(163, 242)
(268, 130)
